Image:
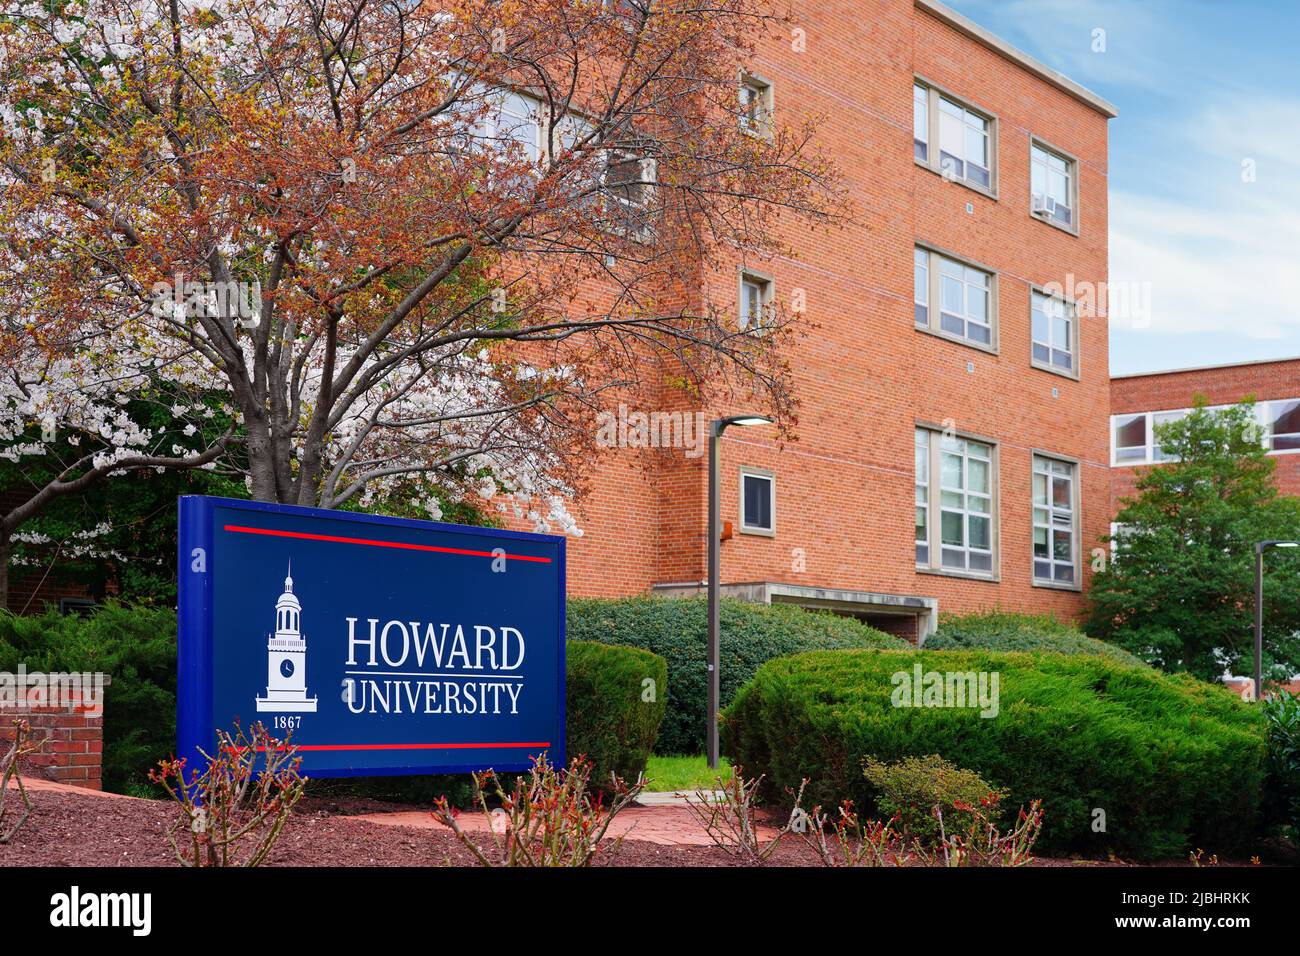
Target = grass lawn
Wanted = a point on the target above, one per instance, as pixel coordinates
(686, 774)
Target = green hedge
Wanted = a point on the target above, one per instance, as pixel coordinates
(136, 649)
(1005, 631)
(1172, 761)
(677, 630)
(614, 704)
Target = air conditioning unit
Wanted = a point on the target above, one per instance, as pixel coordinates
(1044, 206)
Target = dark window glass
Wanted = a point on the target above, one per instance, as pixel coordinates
(758, 502)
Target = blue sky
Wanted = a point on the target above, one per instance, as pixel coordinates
(1208, 93)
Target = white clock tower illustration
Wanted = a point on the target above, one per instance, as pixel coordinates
(286, 658)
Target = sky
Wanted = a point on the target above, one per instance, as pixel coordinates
(1204, 165)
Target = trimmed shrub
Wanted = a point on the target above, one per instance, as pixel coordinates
(612, 713)
(677, 630)
(1282, 790)
(911, 788)
(1172, 761)
(1006, 631)
(136, 649)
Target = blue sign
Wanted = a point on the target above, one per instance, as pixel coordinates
(387, 646)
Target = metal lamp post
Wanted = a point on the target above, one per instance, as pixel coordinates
(1260, 548)
(716, 428)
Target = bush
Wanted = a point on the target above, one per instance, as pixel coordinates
(677, 630)
(1282, 790)
(612, 713)
(911, 788)
(136, 649)
(1172, 762)
(1005, 631)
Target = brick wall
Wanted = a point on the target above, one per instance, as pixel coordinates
(74, 742)
(865, 376)
(1221, 385)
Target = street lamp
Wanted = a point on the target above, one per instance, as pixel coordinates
(716, 428)
(1260, 548)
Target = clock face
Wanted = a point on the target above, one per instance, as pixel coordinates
(286, 667)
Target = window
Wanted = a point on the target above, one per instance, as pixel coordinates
(957, 522)
(628, 186)
(922, 497)
(755, 300)
(757, 501)
(921, 283)
(1282, 424)
(921, 123)
(755, 105)
(1053, 186)
(516, 121)
(1053, 332)
(1129, 438)
(965, 148)
(1055, 522)
(1158, 419)
(964, 294)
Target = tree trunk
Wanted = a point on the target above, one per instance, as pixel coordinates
(6, 546)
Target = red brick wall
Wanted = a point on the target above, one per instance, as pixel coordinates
(864, 374)
(1224, 385)
(74, 742)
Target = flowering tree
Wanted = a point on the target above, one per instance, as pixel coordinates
(407, 245)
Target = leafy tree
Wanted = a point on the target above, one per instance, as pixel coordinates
(1180, 592)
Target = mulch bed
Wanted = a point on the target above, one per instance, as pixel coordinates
(72, 830)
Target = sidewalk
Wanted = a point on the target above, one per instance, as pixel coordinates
(661, 818)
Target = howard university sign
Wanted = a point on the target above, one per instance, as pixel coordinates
(396, 647)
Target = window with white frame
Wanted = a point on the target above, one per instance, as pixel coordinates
(964, 151)
(515, 121)
(1056, 516)
(757, 501)
(958, 520)
(1053, 330)
(1134, 439)
(1281, 421)
(921, 285)
(1129, 442)
(966, 308)
(628, 185)
(922, 498)
(755, 300)
(1053, 185)
(921, 123)
(755, 105)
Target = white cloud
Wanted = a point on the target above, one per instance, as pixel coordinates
(1220, 253)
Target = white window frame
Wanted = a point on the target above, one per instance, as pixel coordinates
(766, 287)
(934, 97)
(631, 218)
(1152, 455)
(760, 474)
(1042, 206)
(1072, 334)
(756, 121)
(939, 501)
(937, 261)
(1049, 467)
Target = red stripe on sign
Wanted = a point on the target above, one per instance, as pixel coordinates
(242, 529)
(510, 746)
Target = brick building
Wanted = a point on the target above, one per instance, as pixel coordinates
(978, 411)
(1140, 402)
